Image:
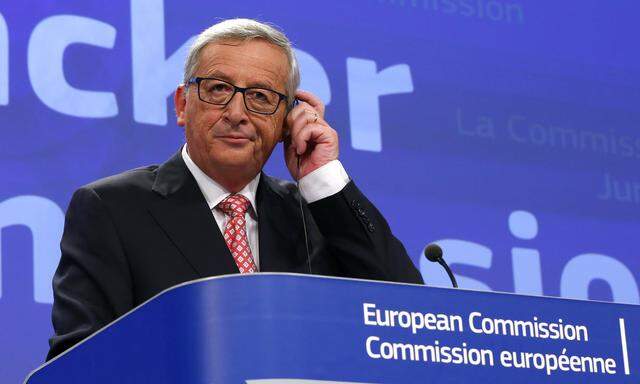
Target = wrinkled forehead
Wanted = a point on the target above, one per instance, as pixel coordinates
(245, 60)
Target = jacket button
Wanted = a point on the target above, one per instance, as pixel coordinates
(371, 228)
(361, 212)
(355, 204)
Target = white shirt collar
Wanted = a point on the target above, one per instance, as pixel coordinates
(213, 192)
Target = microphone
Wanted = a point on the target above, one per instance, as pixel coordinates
(433, 253)
(304, 221)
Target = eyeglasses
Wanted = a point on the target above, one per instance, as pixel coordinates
(219, 92)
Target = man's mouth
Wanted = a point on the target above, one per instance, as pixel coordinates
(234, 139)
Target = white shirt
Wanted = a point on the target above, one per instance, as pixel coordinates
(323, 182)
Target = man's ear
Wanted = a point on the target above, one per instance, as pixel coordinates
(180, 102)
(284, 132)
(286, 129)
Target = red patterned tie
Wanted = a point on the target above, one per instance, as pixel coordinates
(235, 233)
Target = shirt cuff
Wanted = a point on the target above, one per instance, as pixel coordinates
(325, 181)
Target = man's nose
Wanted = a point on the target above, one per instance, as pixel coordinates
(235, 111)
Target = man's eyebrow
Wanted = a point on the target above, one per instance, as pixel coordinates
(261, 84)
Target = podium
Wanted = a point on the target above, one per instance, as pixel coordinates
(272, 328)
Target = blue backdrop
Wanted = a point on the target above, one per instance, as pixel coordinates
(505, 130)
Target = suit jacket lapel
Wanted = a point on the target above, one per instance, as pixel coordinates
(185, 217)
(280, 229)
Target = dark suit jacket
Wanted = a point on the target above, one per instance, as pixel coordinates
(130, 236)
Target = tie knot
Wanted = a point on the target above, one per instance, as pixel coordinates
(234, 205)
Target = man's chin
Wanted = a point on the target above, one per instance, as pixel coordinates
(241, 161)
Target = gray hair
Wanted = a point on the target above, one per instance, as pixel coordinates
(244, 29)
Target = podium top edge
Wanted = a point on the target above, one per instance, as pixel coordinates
(351, 279)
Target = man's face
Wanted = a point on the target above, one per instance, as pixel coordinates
(230, 141)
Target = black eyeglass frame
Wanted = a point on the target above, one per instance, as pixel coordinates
(236, 89)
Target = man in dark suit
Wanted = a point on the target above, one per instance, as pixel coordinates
(209, 210)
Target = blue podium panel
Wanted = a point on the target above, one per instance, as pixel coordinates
(283, 328)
